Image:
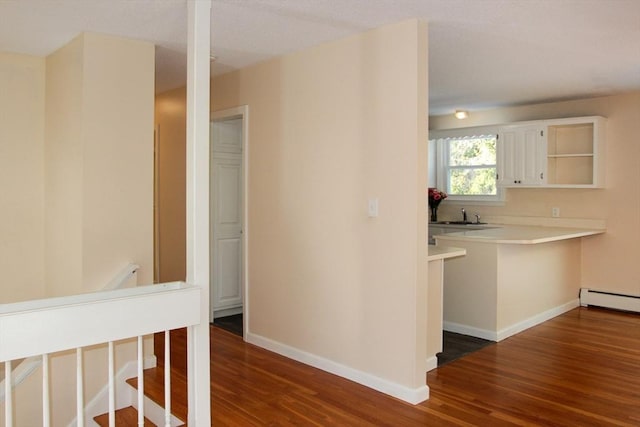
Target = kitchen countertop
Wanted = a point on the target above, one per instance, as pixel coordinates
(443, 252)
(520, 235)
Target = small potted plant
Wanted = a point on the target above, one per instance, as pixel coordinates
(435, 197)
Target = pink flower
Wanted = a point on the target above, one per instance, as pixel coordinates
(436, 196)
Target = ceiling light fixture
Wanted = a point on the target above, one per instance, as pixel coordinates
(461, 114)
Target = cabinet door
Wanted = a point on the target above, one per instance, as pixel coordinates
(533, 151)
(507, 162)
(521, 154)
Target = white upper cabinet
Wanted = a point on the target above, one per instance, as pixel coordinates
(575, 152)
(521, 155)
(559, 153)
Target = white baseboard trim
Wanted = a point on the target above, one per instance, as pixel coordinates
(227, 312)
(432, 363)
(124, 398)
(458, 328)
(413, 396)
(609, 300)
(537, 319)
(513, 329)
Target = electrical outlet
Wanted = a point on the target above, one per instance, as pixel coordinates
(555, 212)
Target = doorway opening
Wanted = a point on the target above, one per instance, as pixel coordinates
(228, 237)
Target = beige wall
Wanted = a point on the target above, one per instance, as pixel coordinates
(608, 261)
(99, 162)
(64, 169)
(22, 80)
(76, 169)
(329, 128)
(118, 114)
(171, 116)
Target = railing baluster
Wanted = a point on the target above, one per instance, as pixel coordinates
(112, 390)
(79, 388)
(46, 402)
(140, 383)
(8, 398)
(167, 378)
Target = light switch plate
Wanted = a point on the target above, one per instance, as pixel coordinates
(373, 208)
(555, 212)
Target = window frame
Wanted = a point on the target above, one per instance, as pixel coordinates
(441, 140)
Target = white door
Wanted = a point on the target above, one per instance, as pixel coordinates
(226, 217)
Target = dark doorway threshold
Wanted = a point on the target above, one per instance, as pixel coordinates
(454, 345)
(232, 323)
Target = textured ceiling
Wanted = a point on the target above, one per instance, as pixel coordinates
(482, 53)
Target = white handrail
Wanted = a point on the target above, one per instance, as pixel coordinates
(33, 328)
(24, 368)
(120, 279)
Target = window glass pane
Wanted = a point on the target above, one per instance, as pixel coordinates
(472, 181)
(472, 151)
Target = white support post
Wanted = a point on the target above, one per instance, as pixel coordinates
(46, 418)
(167, 378)
(140, 382)
(112, 387)
(8, 396)
(198, 85)
(79, 389)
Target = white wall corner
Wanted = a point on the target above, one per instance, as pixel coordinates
(432, 363)
(413, 396)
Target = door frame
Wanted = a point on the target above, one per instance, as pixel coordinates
(221, 115)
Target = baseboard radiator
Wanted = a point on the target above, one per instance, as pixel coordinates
(609, 300)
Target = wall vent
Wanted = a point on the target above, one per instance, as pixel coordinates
(609, 300)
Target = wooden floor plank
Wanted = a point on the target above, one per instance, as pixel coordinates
(579, 369)
(124, 417)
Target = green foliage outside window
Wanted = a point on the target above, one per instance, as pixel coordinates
(472, 166)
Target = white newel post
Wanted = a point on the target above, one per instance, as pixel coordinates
(199, 40)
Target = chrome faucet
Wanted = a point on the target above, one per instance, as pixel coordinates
(464, 214)
(477, 218)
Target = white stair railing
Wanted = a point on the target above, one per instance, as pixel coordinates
(22, 368)
(33, 328)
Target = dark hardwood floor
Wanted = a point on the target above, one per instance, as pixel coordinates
(124, 417)
(579, 369)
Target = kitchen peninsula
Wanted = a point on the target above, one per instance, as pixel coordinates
(436, 257)
(512, 278)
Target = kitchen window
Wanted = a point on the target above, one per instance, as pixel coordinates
(466, 163)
